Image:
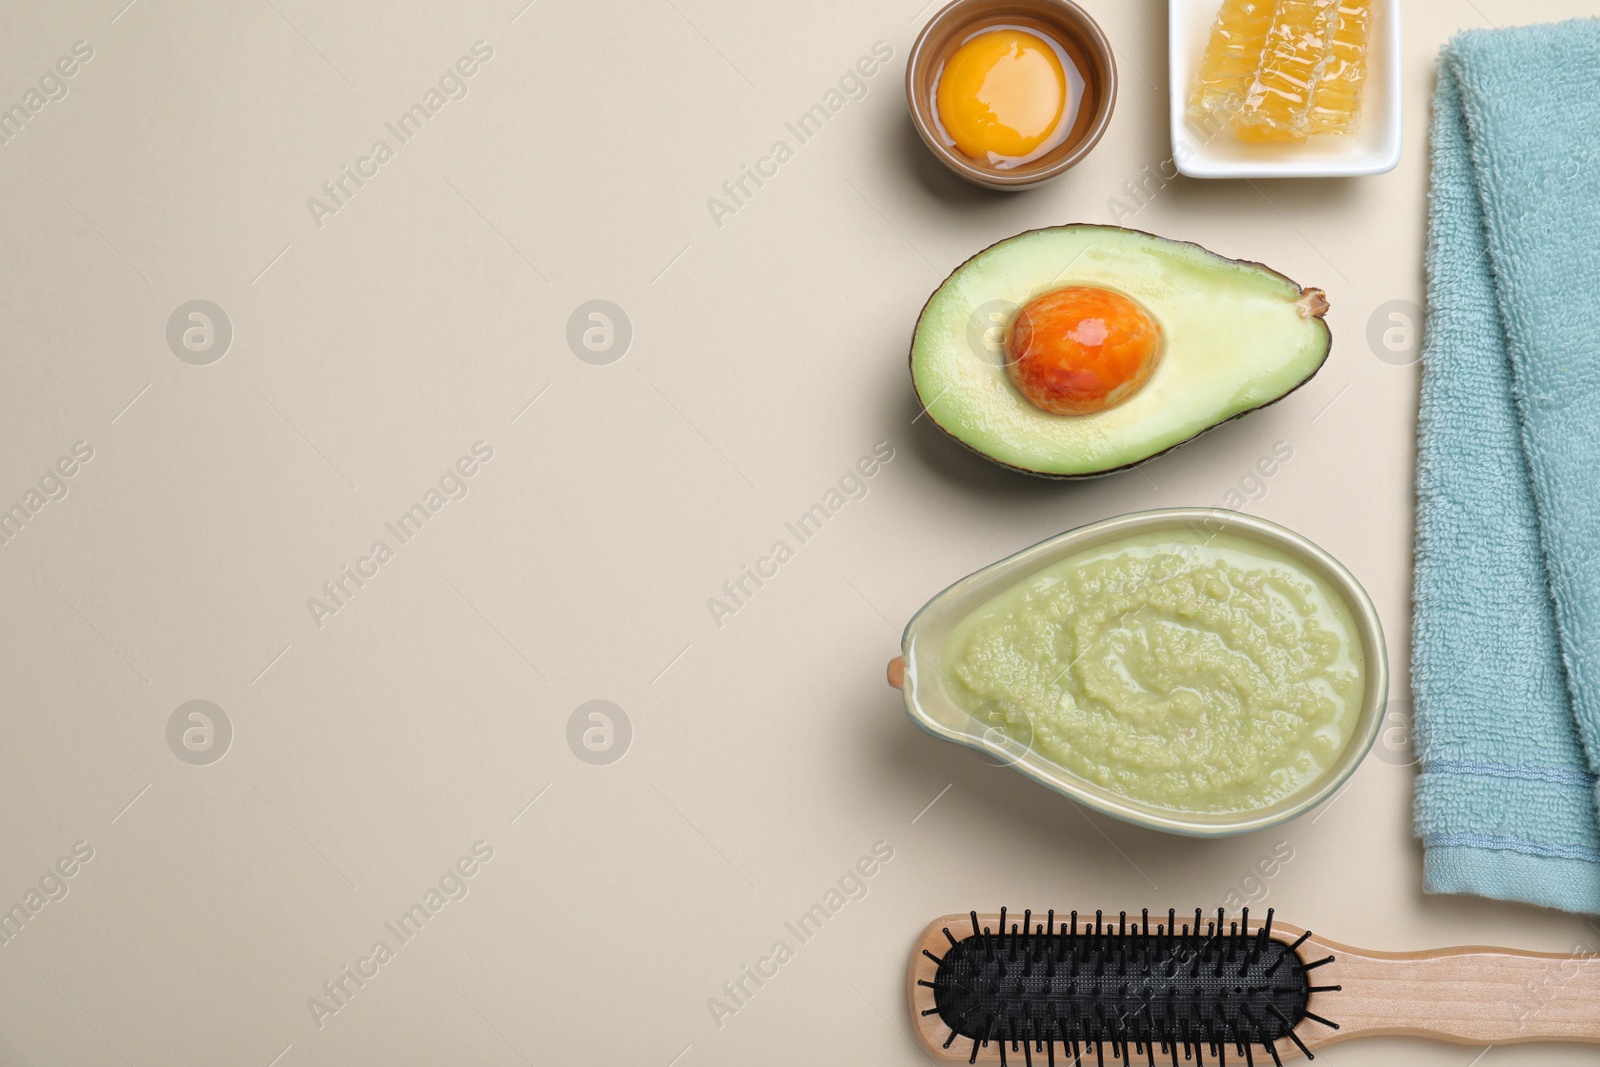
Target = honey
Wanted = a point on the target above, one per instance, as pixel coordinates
(1278, 106)
(1336, 105)
(1238, 38)
(1283, 70)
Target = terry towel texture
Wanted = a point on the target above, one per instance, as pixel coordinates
(1506, 638)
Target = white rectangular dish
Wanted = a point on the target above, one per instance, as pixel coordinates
(1374, 149)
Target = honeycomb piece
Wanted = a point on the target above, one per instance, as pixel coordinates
(1336, 101)
(1299, 45)
(1229, 66)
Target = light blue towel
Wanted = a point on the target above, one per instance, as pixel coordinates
(1506, 639)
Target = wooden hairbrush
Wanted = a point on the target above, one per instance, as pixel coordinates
(1144, 993)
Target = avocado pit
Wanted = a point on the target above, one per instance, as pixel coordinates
(1081, 349)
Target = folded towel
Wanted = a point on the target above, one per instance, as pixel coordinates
(1506, 638)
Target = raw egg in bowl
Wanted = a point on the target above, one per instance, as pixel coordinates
(1010, 93)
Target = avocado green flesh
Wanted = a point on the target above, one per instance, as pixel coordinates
(1235, 337)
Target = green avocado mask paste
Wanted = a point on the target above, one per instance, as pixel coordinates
(1189, 672)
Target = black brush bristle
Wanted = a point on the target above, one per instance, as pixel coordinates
(1137, 988)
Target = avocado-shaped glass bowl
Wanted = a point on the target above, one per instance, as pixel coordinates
(919, 674)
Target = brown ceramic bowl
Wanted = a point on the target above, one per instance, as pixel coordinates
(1069, 26)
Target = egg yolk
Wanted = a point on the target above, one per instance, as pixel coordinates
(1002, 93)
(1081, 349)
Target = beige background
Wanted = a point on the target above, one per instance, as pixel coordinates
(768, 355)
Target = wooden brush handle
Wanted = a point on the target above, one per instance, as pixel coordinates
(1477, 996)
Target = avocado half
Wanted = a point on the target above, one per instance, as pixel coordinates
(1237, 336)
